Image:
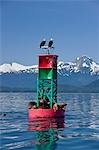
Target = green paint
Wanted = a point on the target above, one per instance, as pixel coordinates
(47, 73)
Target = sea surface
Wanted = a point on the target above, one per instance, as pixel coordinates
(79, 130)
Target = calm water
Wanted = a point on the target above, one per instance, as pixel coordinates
(78, 131)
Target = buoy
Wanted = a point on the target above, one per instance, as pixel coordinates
(46, 105)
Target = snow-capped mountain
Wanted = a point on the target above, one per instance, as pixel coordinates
(84, 65)
(80, 72)
(15, 67)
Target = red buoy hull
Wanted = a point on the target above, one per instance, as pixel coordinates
(45, 113)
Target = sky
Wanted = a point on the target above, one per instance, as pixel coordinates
(73, 24)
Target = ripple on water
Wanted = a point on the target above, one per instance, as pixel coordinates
(78, 131)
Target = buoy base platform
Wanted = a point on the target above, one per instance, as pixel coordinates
(45, 113)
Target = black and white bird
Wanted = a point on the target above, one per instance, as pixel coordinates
(50, 43)
(42, 44)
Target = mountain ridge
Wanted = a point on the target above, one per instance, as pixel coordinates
(82, 63)
(73, 76)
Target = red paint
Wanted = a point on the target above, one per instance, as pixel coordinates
(47, 61)
(44, 113)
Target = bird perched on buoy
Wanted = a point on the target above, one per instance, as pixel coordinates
(42, 44)
(50, 44)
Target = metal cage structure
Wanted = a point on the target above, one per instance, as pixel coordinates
(47, 78)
